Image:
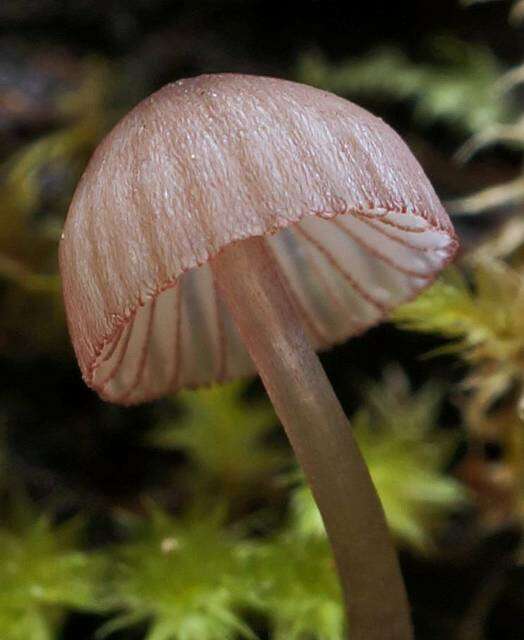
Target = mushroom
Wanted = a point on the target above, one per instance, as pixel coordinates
(230, 223)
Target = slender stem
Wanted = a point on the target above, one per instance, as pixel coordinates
(252, 286)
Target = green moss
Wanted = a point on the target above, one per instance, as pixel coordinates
(187, 577)
(44, 574)
(396, 430)
(456, 88)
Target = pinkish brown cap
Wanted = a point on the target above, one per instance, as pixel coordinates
(350, 216)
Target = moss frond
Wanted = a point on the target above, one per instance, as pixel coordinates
(297, 589)
(185, 577)
(43, 574)
(483, 318)
(456, 89)
(225, 438)
(396, 430)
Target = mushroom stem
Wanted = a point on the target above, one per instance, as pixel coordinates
(249, 280)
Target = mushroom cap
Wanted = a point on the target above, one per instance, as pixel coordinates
(347, 210)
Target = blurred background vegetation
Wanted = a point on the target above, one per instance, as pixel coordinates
(187, 519)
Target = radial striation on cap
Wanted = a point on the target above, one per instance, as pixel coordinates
(347, 210)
